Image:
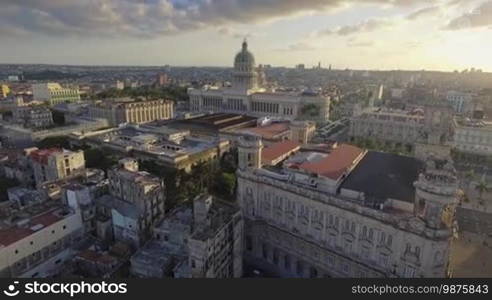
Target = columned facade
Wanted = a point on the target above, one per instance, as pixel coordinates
(133, 112)
(247, 96)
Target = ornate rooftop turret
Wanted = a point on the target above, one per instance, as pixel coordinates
(437, 193)
(249, 152)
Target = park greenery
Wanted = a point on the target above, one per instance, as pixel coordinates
(58, 118)
(174, 93)
(216, 177)
(5, 184)
(460, 157)
(376, 145)
(311, 110)
(60, 141)
(99, 158)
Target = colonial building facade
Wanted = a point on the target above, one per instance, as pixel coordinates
(394, 126)
(351, 213)
(247, 96)
(33, 117)
(53, 164)
(53, 93)
(405, 128)
(473, 136)
(117, 112)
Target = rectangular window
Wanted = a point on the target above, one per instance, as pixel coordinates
(249, 243)
(287, 262)
(348, 246)
(331, 260)
(365, 253)
(264, 251)
(299, 268)
(345, 268)
(409, 272)
(383, 259)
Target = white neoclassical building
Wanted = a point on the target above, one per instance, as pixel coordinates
(346, 212)
(248, 96)
(473, 136)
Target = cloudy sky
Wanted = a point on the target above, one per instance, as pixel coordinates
(361, 34)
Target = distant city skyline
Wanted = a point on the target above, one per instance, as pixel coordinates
(446, 35)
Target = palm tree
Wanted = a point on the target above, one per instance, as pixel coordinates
(469, 176)
(481, 187)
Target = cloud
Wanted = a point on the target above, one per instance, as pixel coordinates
(424, 12)
(480, 17)
(366, 26)
(299, 46)
(237, 34)
(360, 44)
(150, 18)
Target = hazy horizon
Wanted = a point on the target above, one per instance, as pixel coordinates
(378, 35)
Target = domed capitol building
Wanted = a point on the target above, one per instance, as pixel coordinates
(247, 95)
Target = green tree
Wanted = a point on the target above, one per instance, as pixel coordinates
(469, 176)
(228, 161)
(54, 142)
(100, 159)
(58, 118)
(370, 143)
(226, 185)
(481, 188)
(5, 184)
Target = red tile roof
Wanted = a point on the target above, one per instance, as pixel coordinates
(270, 131)
(13, 234)
(41, 156)
(91, 255)
(46, 219)
(278, 149)
(336, 163)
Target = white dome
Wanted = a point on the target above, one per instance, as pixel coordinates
(244, 60)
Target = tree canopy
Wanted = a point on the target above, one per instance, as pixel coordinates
(174, 93)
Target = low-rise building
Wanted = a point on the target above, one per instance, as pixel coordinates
(4, 90)
(277, 131)
(132, 111)
(347, 213)
(33, 117)
(53, 93)
(17, 136)
(395, 126)
(462, 102)
(203, 242)
(54, 164)
(473, 136)
(135, 203)
(173, 148)
(96, 264)
(21, 197)
(38, 245)
(216, 244)
(15, 164)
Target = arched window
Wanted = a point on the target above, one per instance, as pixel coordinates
(438, 257)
